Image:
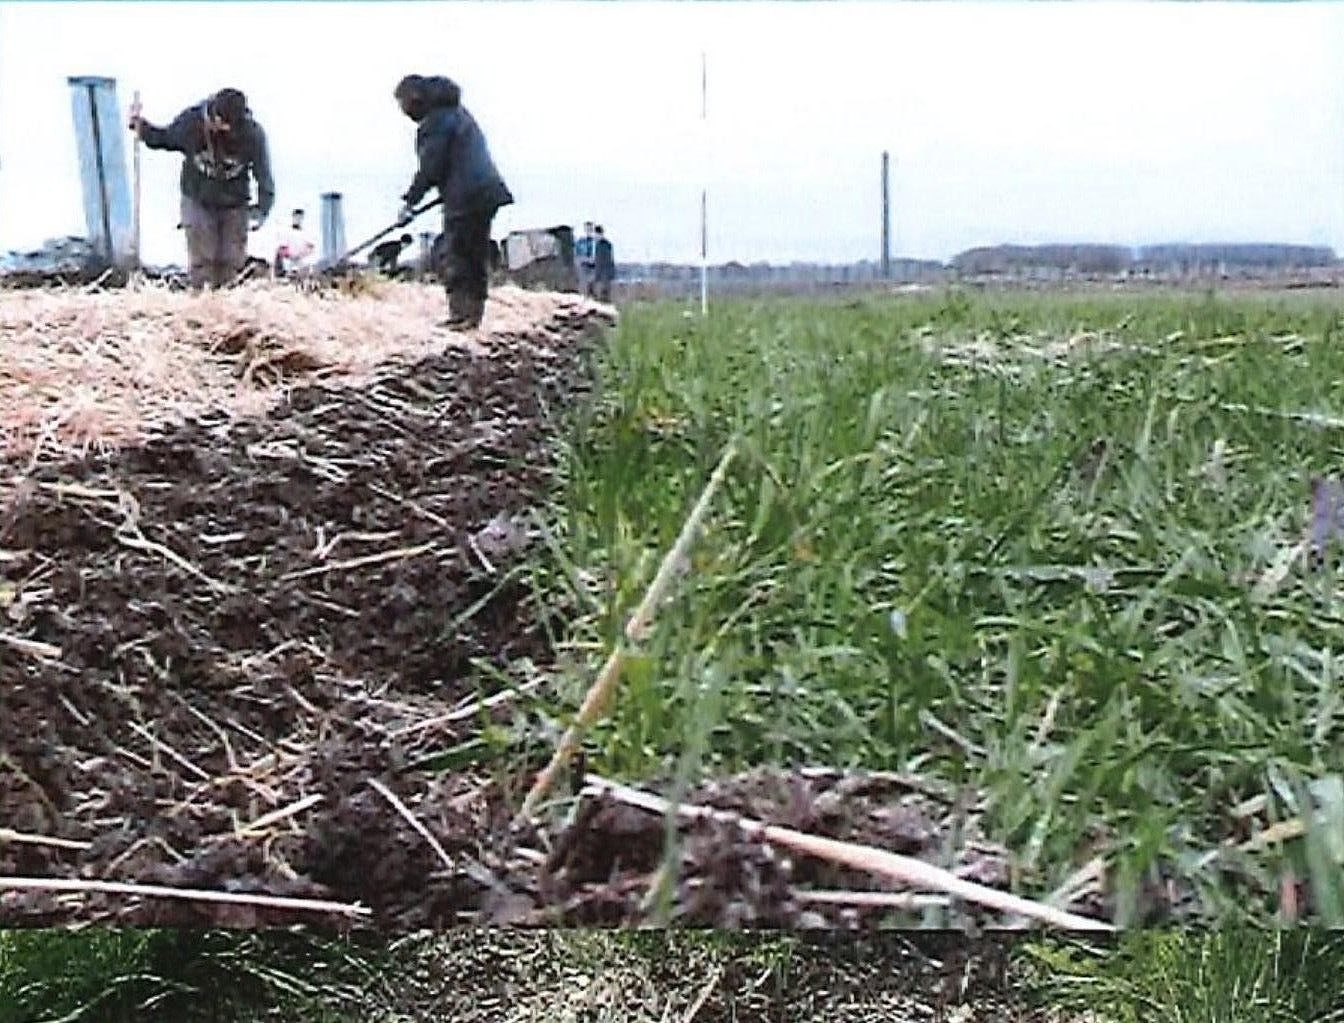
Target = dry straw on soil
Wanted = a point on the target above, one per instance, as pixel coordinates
(94, 369)
(162, 596)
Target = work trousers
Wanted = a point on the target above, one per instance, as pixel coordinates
(465, 267)
(587, 278)
(216, 242)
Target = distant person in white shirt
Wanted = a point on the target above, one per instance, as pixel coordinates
(294, 256)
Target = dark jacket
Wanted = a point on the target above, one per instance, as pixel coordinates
(605, 259)
(218, 175)
(454, 157)
(386, 255)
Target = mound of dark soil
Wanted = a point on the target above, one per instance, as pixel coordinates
(230, 661)
(203, 630)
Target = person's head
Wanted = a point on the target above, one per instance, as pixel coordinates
(598, 230)
(587, 227)
(229, 106)
(404, 240)
(296, 219)
(410, 95)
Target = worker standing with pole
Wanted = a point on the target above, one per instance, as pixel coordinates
(454, 158)
(221, 143)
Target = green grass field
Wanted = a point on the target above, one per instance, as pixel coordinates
(1034, 545)
(473, 975)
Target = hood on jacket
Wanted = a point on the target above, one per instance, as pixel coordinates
(235, 140)
(440, 91)
(230, 104)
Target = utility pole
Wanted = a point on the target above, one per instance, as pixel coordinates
(886, 215)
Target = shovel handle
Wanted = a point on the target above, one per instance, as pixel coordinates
(385, 231)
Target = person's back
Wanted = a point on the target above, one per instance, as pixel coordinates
(215, 165)
(452, 143)
(585, 248)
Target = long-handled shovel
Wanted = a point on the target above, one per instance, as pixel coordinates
(345, 257)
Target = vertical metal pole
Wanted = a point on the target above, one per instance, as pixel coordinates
(333, 228)
(102, 175)
(105, 190)
(704, 192)
(886, 216)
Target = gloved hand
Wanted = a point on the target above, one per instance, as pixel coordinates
(406, 215)
(256, 217)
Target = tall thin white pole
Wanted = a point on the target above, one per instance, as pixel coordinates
(704, 191)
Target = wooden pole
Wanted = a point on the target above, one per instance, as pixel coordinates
(135, 179)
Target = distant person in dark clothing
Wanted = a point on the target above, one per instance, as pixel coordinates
(604, 266)
(384, 257)
(455, 159)
(496, 256)
(221, 143)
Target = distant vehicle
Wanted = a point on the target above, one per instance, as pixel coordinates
(541, 257)
(68, 255)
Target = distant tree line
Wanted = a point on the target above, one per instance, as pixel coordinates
(1287, 257)
(1114, 259)
(736, 273)
(1008, 260)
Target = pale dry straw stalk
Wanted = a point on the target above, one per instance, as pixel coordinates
(635, 631)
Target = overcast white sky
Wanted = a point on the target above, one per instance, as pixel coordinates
(1029, 122)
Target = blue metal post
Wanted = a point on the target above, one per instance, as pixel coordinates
(333, 228)
(102, 168)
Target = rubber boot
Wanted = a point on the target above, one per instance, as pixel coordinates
(464, 313)
(199, 276)
(456, 312)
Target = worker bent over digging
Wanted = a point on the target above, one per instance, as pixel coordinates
(455, 159)
(221, 144)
